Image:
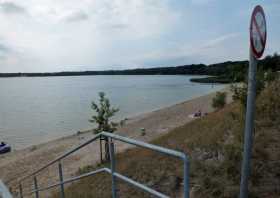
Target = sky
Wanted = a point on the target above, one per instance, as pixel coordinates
(79, 35)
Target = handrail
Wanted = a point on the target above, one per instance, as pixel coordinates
(145, 145)
(71, 179)
(111, 171)
(61, 157)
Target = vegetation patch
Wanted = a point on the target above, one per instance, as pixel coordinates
(219, 101)
(214, 144)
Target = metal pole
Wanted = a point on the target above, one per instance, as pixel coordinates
(186, 178)
(113, 167)
(249, 126)
(61, 180)
(20, 191)
(100, 146)
(36, 187)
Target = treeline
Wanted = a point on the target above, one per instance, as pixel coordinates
(229, 72)
(224, 72)
(198, 69)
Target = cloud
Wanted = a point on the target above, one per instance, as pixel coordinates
(4, 51)
(77, 17)
(12, 8)
(96, 35)
(4, 48)
(219, 40)
(204, 51)
(119, 26)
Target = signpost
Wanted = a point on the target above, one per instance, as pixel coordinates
(258, 32)
(257, 45)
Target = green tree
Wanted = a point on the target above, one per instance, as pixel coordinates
(263, 78)
(102, 117)
(271, 62)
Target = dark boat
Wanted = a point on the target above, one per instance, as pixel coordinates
(4, 148)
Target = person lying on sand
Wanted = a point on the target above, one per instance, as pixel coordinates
(198, 113)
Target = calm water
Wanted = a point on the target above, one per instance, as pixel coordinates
(35, 110)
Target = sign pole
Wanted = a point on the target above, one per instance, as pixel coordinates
(249, 126)
(257, 46)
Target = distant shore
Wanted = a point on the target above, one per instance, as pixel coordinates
(217, 69)
(212, 79)
(156, 123)
(198, 69)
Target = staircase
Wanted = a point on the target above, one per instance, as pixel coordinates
(36, 190)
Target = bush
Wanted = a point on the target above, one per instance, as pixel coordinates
(219, 100)
(263, 79)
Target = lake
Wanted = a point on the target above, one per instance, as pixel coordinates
(36, 110)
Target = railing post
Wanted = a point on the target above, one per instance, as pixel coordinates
(61, 179)
(20, 191)
(100, 146)
(36, 187)
(113, 167)
(186, 178)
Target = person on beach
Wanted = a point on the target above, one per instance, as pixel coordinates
(198, 113)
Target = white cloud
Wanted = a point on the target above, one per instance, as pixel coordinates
(77, 17)
(11, 8)
(55, 35)
(46, 36)
(216, 41)
(214, 47)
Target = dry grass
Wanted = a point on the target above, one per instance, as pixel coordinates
(214, 144)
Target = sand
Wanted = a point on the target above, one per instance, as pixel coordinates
(17, 164)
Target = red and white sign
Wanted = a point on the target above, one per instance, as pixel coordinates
(258, 31)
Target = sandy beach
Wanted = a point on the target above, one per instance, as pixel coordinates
(17, 164)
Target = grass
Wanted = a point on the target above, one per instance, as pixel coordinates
(214, 144)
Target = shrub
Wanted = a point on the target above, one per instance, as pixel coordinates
(219, 100)
(263, 79)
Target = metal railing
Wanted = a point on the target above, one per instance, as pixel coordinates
(111, 170)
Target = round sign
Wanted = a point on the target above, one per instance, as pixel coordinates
(258, 31)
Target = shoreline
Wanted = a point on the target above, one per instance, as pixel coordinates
(131, 116)
(19, 163)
